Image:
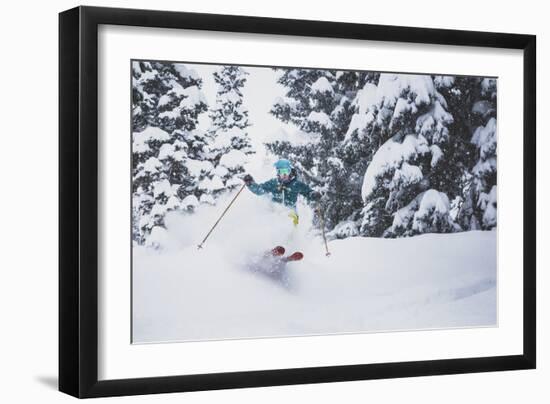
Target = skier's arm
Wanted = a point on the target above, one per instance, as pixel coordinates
(260, 189)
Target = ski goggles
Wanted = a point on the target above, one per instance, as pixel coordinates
(283, 171)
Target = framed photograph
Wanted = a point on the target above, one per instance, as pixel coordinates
(251, 201)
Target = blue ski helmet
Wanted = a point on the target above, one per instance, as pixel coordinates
(282, 163)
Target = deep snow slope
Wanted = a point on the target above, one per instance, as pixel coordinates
(430, 281)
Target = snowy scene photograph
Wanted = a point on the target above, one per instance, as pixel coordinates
(290, 201)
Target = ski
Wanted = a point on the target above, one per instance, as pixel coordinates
(297, 256)
(278, 251)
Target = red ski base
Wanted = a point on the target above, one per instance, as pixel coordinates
(278, 251)
(297, 256)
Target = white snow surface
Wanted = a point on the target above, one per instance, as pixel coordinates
(151, 165)
(406, 175)
(185, 72)
(223, 137)
(213, 184)
(193, 96)
(392, 86)
(162, 187)
(320, 118)
(207, 198)
(158, 236)
(233, 159)
(181, 293)
(166, 150)
(198, 167)
(433, 200)
(322, 85)
(444, 81)
(190, 201)
(165, 99)
(151, 133)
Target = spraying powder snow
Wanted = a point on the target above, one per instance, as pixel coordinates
(181, 293)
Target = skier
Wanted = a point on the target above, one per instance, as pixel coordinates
(284, 189)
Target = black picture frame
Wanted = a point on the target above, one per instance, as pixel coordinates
(78, 201)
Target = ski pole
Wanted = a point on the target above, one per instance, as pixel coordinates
(220, 218)
(323, 229)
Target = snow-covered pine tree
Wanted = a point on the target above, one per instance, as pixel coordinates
(429, 144)
(229, 141)
(319, 104)
(350, 151)
(473, 103)
(406, 121)
(167, 151)
(484, 184)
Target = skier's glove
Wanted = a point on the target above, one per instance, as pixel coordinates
(315, 196)
(248, 179)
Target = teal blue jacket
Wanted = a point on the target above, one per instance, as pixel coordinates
(287, 193)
